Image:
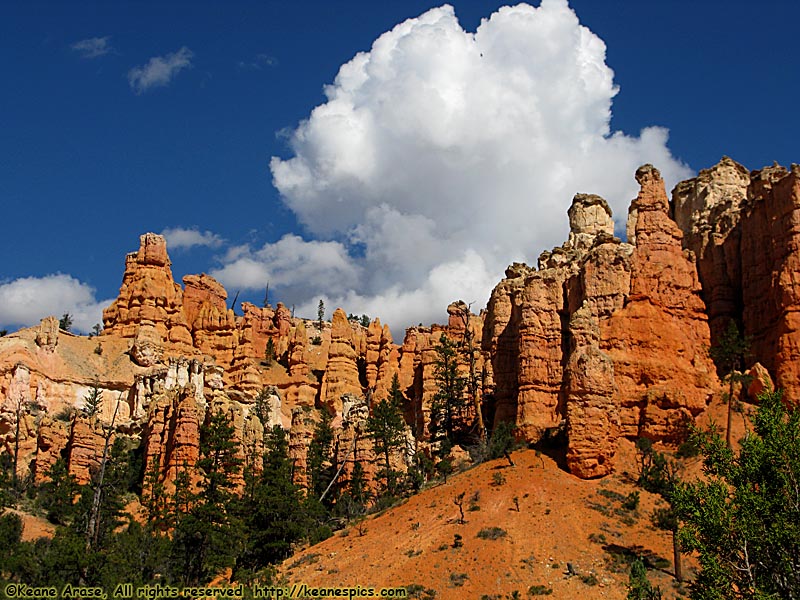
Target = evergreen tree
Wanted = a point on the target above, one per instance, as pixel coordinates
(353, 501)
(208, 537)
(57, 495)
(92, 401)
(320, 314)
(729, 354)
(639, 587)
(743, 518)
(449, 401)
(387, 429)
(65, 322)
(269, 352)
(275, 519)
(659, 475)
(320, 460)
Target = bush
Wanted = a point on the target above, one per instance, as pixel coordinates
(539, 590)
(631, 502)
(316, 340)
(492, 533)
(498, 479)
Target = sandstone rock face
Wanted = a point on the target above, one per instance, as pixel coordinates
(172, 436)
(47, 336)
(149, 296)
(592, 410)
(52, 438)
(602, 339)
(708, 210)
(659, 340)
(745, 230)
(341, 374)
(606, 338)
(760, 382)
(148, 348)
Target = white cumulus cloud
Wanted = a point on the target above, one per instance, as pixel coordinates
(27, 300)
(159, 70)
(93, 47)
(186, 238)
(292, 264)
(442, 155)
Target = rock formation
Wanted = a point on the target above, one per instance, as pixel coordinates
(745, 230)
(602, 339)
(605, 337)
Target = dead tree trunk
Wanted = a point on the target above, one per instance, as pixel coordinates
(93, 529)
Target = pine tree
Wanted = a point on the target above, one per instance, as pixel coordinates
(387, 429)
(208, 538)
(449, 401)
(275, 519)
(57, 495)
(729, 354)
(65, 322)
(659, 475)
(269, 352)
(320, 460)
(320, 314)
(639, 587)
(92, 401)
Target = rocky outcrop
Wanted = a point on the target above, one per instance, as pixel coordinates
(341, 373)
(659, 340)
(745, 231)
(606, 338)
(592, 411)
(602, 339)
(149, 296)
(708, 210)
(171, 438)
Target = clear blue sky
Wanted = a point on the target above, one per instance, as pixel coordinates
(92, 154)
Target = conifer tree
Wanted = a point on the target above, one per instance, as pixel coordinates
(729, 354)
(92, 401)
(387, 429)
(275, 520)
(208, 538)
(449, 401)
(320, 461)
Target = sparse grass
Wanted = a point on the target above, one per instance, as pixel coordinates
(590, 579)
(597, 538)
(539, 590)
(411, 552)
(458, 579)
(308, 559)
(492, 533)
(498, 479)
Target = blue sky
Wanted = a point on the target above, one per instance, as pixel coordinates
(121, 118)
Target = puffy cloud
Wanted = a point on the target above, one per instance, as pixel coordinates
(441, 155)
(186, 238)
(93, 47)
(296, 266)
(25, 301)
(159, 70)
